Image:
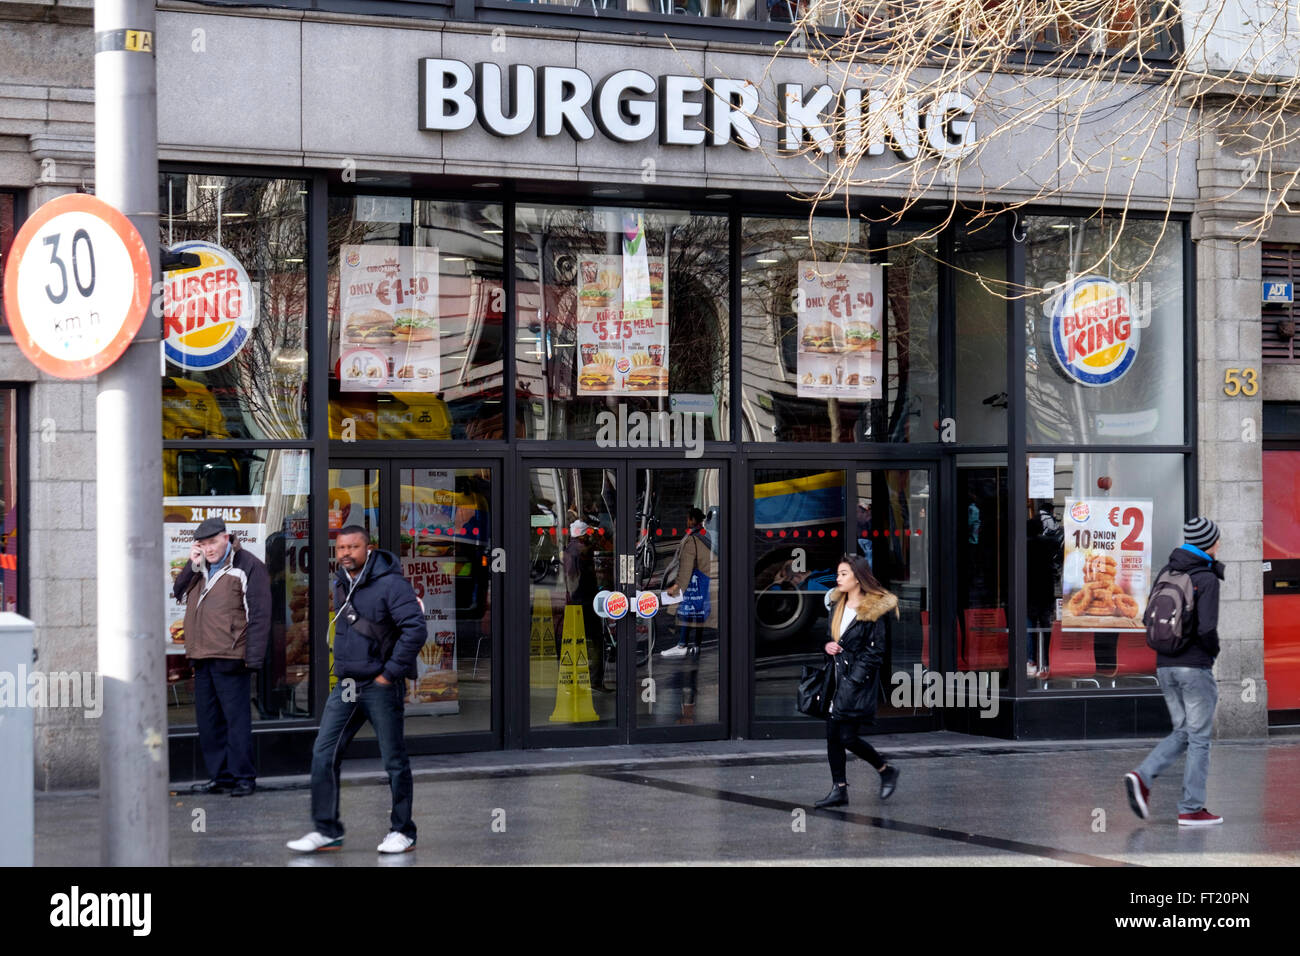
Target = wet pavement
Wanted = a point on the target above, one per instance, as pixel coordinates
(961, 800)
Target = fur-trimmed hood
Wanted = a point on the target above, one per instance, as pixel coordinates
(873, 606)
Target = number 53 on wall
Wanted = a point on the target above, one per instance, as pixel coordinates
(1240, 381)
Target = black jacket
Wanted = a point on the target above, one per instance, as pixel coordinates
(1205, 576)
(857, 666)
(385, 598)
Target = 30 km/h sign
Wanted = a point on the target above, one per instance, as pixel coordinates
(77, 286)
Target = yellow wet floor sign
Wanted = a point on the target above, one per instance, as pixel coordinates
(573, 688)
(541, 642)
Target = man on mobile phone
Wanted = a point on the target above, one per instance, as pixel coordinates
(227, 595)
(378, 632)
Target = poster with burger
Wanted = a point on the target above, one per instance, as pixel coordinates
(841, 318)
(245, 516)
(622, 324)
(436, 690)
(388, 304)
(1106, 569)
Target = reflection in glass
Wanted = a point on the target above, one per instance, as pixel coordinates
(573, 651)
(621, 309)
(680, 543)
(824, 320)
(239, 351)
(264, 498)
(1071, 659)
(980, 257)
(418, 319)
(1104, 363)
(983, 529)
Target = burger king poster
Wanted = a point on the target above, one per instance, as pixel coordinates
(435, 690)
(1106, 574)
(1094, 337)
(841, 318)
(209, 311)
(245, 516)
(389, 335)
(623, 324)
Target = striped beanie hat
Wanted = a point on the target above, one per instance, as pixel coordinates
(1201, 533)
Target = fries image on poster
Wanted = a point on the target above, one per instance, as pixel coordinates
(841, 315)
(388, 300)
(622, 343)
(1106, 575)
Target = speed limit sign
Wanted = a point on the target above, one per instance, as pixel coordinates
(77, 286)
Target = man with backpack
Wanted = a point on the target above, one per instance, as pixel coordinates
(1182, 620)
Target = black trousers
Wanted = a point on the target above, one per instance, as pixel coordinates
(222, 711)
(842, 735)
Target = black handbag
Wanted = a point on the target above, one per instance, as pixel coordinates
(816, 690)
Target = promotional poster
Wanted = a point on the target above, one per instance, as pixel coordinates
(388, 301)
(1106, 575)
(841, 315)
(623, 324)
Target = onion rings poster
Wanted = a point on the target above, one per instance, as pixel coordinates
(388, 336)
(623, 324)
(1106, 576)
(841, 323)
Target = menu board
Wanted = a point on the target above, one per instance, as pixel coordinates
(623, 324)
(389, 333)
(245, 516)
(1106, 575)
(841, 321)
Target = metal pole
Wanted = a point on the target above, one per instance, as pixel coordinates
(133, 729)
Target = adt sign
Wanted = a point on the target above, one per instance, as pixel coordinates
(1277, 292)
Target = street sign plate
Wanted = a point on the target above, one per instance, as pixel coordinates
(77, 286)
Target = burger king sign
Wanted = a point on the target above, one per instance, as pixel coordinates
(208, 310)
(1094, 337)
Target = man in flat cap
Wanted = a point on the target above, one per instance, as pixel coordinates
(227, 595)
(1186, 675)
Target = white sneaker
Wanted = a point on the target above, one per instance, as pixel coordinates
(314, 842)
(396, 843)
(1031, 669)
(679, 651)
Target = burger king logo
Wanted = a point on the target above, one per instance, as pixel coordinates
(209, 310)
(647, 604)
(1094, 338)
(1080, 512)
(616, 605)
(353, 258)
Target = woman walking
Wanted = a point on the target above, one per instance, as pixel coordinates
(858, 606)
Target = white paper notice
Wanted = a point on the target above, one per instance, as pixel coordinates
(1042, 478)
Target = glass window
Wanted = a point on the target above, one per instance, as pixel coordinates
(979, 290)
(983, 577)
(840, 343)
(416, 306)
(8, 226)
(1105, 349)
(235, 322)
(263, 496)
(1093, 549)
(622, 309)
(9, 499)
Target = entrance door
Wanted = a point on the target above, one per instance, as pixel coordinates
(623, 601)
(438, 520)
(1282, 581)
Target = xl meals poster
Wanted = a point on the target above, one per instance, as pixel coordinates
(841, 317)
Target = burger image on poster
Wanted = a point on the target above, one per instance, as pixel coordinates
(209, 310)
(1094, 337)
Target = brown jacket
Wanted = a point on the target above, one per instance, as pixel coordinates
(694, 553)
(227, 615)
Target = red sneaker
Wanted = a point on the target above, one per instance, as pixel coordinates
(1201, 818)
(1138, 794)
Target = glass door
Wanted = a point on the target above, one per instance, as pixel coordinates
(624, 602)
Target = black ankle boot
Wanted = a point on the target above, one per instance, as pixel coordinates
(838, 797)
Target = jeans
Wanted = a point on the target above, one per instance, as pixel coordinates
(383, 705)
(1191, 695)
(842, 735)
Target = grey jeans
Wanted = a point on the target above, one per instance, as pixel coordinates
(1191, 694)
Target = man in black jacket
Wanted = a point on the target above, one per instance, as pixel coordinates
(378, 632)
(1187, 680)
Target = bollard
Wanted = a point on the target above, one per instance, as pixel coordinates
(17, 740)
